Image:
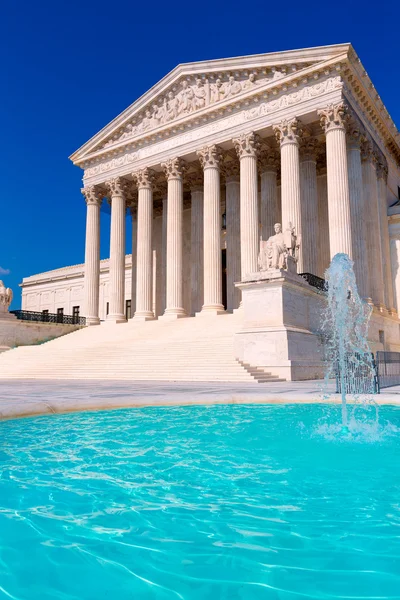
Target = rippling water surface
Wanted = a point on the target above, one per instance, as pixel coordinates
(220, 502)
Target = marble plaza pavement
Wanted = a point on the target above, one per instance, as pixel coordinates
(23, 398)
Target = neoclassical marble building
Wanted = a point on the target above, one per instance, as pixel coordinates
(217, 152)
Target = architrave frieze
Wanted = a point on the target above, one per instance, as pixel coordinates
(259, 114)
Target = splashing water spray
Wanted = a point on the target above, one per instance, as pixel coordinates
(345, 327)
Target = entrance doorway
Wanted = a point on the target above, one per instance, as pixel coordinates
(224, 281)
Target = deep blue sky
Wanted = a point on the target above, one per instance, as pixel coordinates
(68, 67)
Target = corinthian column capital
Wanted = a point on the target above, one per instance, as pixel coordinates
(210, 156)
(269, 159)
(117, 186)
(367, 150)
(309, 149)
(288, 131)
(381, 167)
(174, 168)
(355, 133)
(333, 116)
(93, 195)
(144, 178)
(247, 144)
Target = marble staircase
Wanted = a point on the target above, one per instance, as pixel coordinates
(192, 349)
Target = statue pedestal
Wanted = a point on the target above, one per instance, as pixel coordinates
(281, 327)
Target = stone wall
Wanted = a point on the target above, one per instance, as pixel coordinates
(25, 333)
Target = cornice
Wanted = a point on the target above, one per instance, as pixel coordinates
(251, 62)
(268, 90)
(363, 97)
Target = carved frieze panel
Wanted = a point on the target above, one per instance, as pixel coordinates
(192, 94)
(260, 109)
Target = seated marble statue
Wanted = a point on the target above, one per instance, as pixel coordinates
(273, 252)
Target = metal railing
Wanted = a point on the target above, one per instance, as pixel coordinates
(43, 317)
(315, 281)
(388, 368)
(361, 376)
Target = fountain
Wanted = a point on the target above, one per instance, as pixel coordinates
(345, 326)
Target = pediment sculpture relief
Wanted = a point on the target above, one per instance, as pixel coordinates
(192, 95)
(281, 250)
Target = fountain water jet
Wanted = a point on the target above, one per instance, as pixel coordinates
(345, 326)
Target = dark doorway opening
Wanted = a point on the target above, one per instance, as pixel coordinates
(224, 281)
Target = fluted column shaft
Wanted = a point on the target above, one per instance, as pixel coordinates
(333, 122)
(196, 257)
(134, 261)
(174, 284)
(92, 255)
(233, 264)
(117, 251)
(374, 255)
(247, 147)
(309, 206)
(210, 157)
(323, 225)
(357, 211)
(384, 231)
(269, 202)
(164, 254)
(288, 133)
(144, 266)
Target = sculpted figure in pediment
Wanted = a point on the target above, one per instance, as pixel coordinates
(217, 91)
(199, 94)
(171, 107)
(147, 121)
(185, 98)
(232, 87)
(250, 83)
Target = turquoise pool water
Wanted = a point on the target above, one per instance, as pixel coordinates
(221, 502)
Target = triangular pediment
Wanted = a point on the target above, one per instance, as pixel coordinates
(193, 89)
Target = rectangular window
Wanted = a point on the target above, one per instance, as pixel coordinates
(60, 315)
(45, 315)
(107, 308)
(127, 309)
(75, 314)
(382, 338)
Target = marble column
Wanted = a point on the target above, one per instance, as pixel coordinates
(382, 174)
(164, 253)
(93, 197)
(372, 229)
(233, 266)
(117, 192)
(144, 264)
(196, 240)
(269, 210)
(174, 169)
(333, 123)
(133, 211)
(246, 146)
(323, 223)
(309, 204)
(288, 133)
(357, 208)
(210, 158)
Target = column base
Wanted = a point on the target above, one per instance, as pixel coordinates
(92, 321)
(115, 319)
(216, 309)
(143, 316)
(173, 313)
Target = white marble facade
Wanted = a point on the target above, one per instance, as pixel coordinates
(209, 160)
